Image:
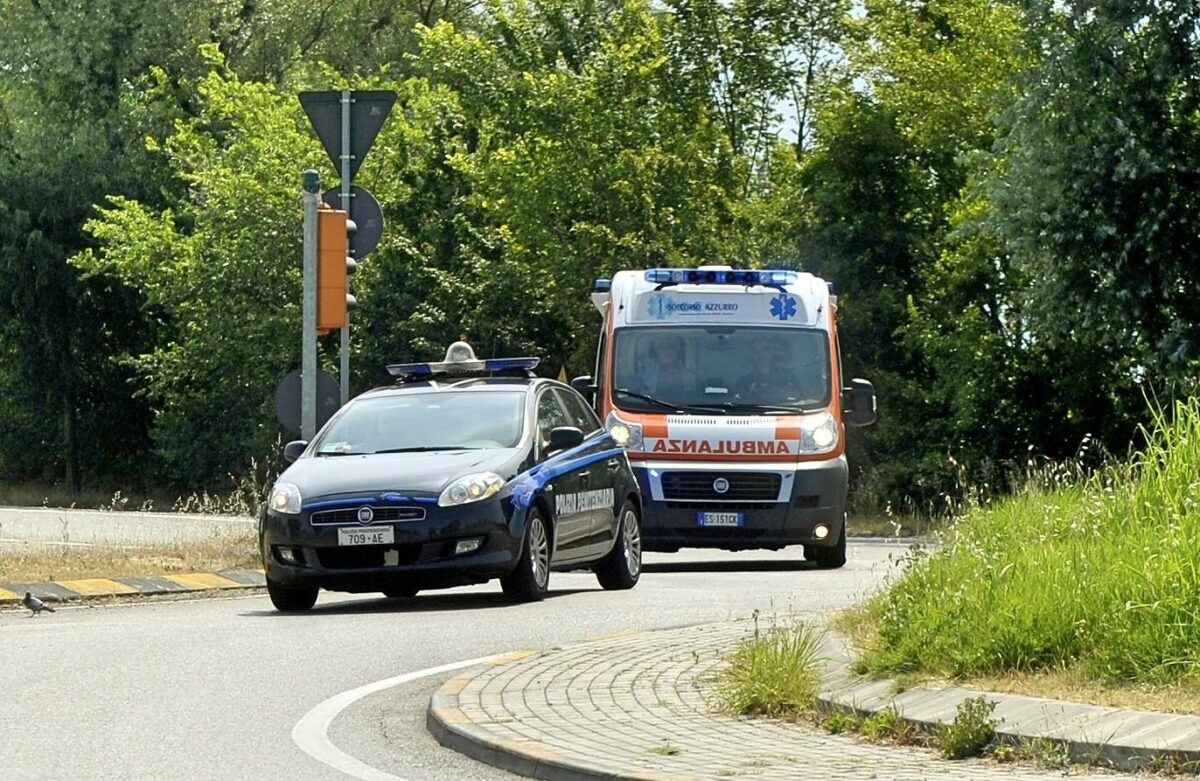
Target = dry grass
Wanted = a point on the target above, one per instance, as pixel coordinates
(35, 562)
(1073, 686)
(888, 525)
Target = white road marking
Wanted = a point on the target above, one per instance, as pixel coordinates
(311, 733)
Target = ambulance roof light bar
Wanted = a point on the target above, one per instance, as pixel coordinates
(460, 360)
(714, 276)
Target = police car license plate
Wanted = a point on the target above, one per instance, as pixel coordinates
(721, 519)
(367, 535)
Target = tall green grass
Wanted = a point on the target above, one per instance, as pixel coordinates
(1099, 570)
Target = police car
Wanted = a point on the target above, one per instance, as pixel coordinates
(464, 471)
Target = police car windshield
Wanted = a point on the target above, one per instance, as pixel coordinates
(734, 369)
(417, 422)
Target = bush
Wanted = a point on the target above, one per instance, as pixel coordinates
(774, 673)
(971, 731)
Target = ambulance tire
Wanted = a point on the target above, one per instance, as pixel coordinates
(291, 600)
(831, 557)
(622, 567)
(530, 579)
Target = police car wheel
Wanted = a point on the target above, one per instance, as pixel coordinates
(623, 566)
(529, 581)
(291, 600)
(832, 557)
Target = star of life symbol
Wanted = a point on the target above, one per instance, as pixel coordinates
(660, 306)
(783, 306)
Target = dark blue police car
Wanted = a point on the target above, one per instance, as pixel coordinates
(462, 472)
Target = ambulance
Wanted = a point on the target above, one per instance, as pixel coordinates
(725, 387)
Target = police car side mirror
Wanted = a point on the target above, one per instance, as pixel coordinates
(858, 403)
(584, 387)
(293, 449)
(564, 438)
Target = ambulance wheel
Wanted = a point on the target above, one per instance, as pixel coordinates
(291, 600)
(531, 578)
(828, 557)
(622, 567)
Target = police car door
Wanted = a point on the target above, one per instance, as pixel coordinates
(598, 479)
(562, 492)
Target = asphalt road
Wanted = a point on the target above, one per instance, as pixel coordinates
(212, 688)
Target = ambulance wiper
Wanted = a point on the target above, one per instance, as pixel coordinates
(667, 404)
(767, 409)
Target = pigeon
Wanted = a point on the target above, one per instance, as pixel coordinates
(34, 604)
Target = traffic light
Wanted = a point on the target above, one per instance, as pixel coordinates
(334, 268)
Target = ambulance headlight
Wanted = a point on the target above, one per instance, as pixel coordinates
(285, 498)
(819, 433)
(471, 488)
(624, 433)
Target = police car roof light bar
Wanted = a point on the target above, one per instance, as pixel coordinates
(693, 276)
(461, 360)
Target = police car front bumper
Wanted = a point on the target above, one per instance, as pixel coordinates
(807, 495)
(422, 555)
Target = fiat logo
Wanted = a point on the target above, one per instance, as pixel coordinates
(365, 515)
(720, 485)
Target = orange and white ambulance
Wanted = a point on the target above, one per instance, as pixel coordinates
(725, 387)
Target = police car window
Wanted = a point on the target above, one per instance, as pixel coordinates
(581, 417)
(442, 420)
(550, 415)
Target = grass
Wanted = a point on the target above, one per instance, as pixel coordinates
(972, 730)
(776, 672)
(1098, 573)
(29, 564)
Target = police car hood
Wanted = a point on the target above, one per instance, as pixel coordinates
(414, 472)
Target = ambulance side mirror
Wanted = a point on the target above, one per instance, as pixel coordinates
(858, 403)
(584, 387)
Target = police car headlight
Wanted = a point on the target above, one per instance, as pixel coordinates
(285, 498)
(819, 434)
(623, 432)
(471, 488)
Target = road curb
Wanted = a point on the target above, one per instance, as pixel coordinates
(96, 588)
(1098, 736)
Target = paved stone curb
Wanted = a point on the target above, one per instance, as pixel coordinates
(1092, 734)
(640, 706)
(92, 588)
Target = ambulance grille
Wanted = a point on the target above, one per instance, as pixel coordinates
(743, 486)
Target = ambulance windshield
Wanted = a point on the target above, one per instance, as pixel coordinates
(733, 369)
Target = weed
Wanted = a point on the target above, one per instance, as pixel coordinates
(666, 750)
(971, 731)
(776, 672)
(887, 724)
(841, 723)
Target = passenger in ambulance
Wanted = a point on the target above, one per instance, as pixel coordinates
(769, 380)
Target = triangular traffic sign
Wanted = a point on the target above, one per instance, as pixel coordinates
(369, 109)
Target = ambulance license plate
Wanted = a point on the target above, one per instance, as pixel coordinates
(367, 535)
(721, 519)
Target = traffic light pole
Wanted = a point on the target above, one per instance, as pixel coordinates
(344, 371)
(308, 329)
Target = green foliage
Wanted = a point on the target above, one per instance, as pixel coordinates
(774, 673)
(1098, 570)
(841, 723)
(972, 729)
(889, 725)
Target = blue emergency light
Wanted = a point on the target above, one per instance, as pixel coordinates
(460, 359)
(697, 276)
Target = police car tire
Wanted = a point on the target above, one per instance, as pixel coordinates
(613, 571)
(291, 600)
(400, 592)
(520, 585)
(833, 557)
